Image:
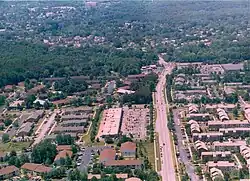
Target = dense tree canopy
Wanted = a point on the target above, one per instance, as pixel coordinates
(44, 152)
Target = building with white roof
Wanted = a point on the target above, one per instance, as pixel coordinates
(110, 124)
(222, 165)
(215, 173)
(216, 125)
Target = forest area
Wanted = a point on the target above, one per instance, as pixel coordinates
(120, 36)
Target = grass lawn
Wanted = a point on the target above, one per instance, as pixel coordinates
(157, 144)
(147, 149)
(86, 137)
(150, 152)
(18, 146)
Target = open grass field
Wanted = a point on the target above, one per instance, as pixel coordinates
(18, 146)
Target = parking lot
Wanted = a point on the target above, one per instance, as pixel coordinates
(85, 156)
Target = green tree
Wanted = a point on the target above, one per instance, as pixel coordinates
(64, 139)
(235, 112)
(2, 100)
(44, 152)
(7, 122)
(68, 161)
(5, 137)
(29, 101)
(246, 96)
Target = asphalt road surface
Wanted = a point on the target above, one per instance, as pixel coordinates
(183, 154)
(167, 168)
(87, 155)
(45, 128)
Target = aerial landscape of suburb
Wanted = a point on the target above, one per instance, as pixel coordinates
(125, 90)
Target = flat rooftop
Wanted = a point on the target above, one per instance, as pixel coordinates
(229, 122)
(110, 122)
(220, 164)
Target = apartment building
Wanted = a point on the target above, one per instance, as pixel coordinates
(215, 155)
(233, 146)
(216, 125)
(207, 137)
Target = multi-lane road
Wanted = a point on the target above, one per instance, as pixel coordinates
(167, 159)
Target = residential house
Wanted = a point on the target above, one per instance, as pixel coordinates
(122, 176)
(222, 114)
(208, 137)
(215, 173)
(63, 147)
(74, 117)
(233, 146)
(132, 164)
(78, 110)
(133, 179)
(194, 126)
(234, 132)
(35, 168)
(69, 129)
(200, 146)
(107, 155)
(34, 117)
(25, 129)
(222, 165)
(192, 108)
(245, 152)
(128, 149)
(8, 172)
(199, 117)
(62, 154)
(215, 156)
(216, 125)
(36, 89)
(78, 122)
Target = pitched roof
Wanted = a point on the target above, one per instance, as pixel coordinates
(98, 176)
(26, 127)
(128, 146)
(123, 162)
(36, 167)
(133, 179)
(8, 170)
(2, 154)
(63, 154)
(63, 147)
(107, 154)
